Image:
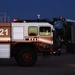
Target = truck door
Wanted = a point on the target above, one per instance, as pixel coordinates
(45, 38)
(32, 34)
(5, 29)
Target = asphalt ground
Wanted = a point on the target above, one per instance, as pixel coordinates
(55, 65)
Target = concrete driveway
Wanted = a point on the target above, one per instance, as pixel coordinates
(55, 65)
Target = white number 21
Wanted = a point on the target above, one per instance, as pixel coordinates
(2, 31)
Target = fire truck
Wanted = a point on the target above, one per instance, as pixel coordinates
(25, 39)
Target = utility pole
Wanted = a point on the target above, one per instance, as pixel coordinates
(3, 15)
(8, 18)
(0, 19)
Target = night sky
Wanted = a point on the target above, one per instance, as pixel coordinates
(28, 9)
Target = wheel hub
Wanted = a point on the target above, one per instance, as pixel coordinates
(27, 57)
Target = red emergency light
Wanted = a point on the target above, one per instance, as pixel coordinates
(15, 20)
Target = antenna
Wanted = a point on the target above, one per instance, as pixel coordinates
(38, 16)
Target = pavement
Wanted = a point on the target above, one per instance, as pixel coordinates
(55, 65)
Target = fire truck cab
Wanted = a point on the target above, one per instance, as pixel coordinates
(24, 39)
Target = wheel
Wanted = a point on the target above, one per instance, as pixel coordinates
(26, 56)
(59, 53)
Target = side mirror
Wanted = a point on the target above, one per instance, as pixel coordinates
(53, 30)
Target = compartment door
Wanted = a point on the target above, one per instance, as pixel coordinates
(5, 40)
(17, 33)
(4, 50)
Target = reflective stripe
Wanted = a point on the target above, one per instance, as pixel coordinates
(32, 39)
(4, 38)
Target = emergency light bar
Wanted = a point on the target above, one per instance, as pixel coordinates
(38, 20)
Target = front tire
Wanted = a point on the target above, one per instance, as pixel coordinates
(26, 56)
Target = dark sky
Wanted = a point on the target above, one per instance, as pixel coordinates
(29, 9)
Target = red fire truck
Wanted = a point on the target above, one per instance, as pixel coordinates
(24, 39)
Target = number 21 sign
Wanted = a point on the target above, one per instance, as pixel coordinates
(5, 32)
